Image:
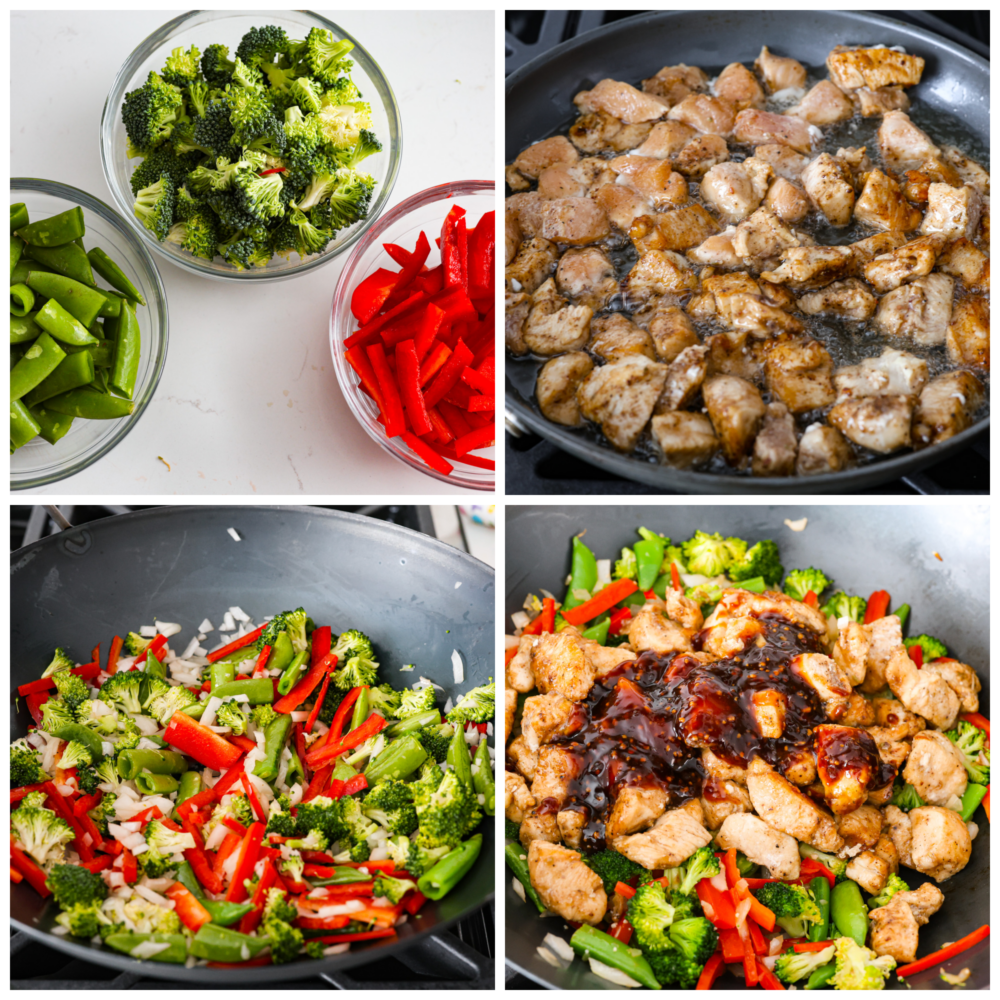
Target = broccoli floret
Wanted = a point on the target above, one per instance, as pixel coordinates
(384, 700)
(154, 208)
(197, 234)
(72, 689)
(149, 113)
(163, 704)
(181, 67)
(279, 817)
(81, 920)
(792, 967)
(235, 807)
(286, 941)
(705, 594)
(314, 840)
(357, 666)
(104, 723)
(323, 814)
(306, 94)
(651, 915)
(262, 715)
(477, 705)
(277, 907)
(840, 605)
(444, 814)
(350, 198)
(253, 118)
(197, 96)
(858, 968)
(55, 715)
(315, 949)
(760, 560)
(512, 831)
(412, 856)
(262, 44)
(359, 825)
(40, 831)
(293, 867)
(353, 643)
(393, 889)
(104, 812)
(971, 742)
(60, 661)
(674, 555)
(307, 238)
(364, 146)
(673, 968)
(162, 160)
(214, 129)
(436, 740)
(293, 623)
(610, 866)
(711, 554)
(799, 582)
(150, 918)
(154, 864)
(325, 55)
(695, 937)
(906, 797)
(626, 568)
(75, 754)
(792, 905)
(161, 838)
(702, 864)
(892, 886)
(25, 765)
(74, 886)
(229, 714)
(131, 734)
(932, 648)
(135, 644)
(414, 702)
(216, 66)
(390, 804)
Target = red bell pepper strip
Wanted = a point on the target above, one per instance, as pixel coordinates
(483, 437)
(618, 619)
(358, 936)
(365, 333)
(456, 417)
(335, 788)
(250, 921)
(33, 687)
(341, 716)
(91, 828)
(306, 685)
(356, 784)
(205, 797)
(98, 864)
(399, 254)
(768, 980)
(916, 654)
(372, 725)
(130, 870)
(392, 406)
(877, 606)
(236, 644)
(236, 826)
(943, 954)
(408, 377)
(713, 968)
(476, 460)
(478, 381)
(229, 846)
(368, 297)
(548, 614)
(258, 810)
(451, 260)
(803, 946)
(317, 708)
(34, 702)
(197, 859)
(243, 742)
(811, 599)
(481, 404)
(749, 961)
(809, 869)
(249, 850)
(87, 802)
(482, 247)
(322, 640)
(434, 362)
(424, 451)
(31, 872)
(413, 901)
(318, 783)
(157, 643)
(449, 374)
(261, 664)
(756, 937)
(719, 902)
(602, 601)
(192, 914)
(114, 653)
(624, 890)
(430, 326)
(15, 875)
(441, 428)
(412, 267)
(732, 945)
(357, 358)
(199, 742)
(621, 930)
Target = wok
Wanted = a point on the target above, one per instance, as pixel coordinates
(539, 101)
(417, 598)
(863, 549)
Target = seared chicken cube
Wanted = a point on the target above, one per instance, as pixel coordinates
(518, 800)
(963, 259)
(586, 277)
(728, 189)
(968, 336)
(565, 884)
(684, 228)
(676, 82)
(658, 272)
(798, 372)
(758, 128)
(559, 182)
(523, 756)
(615, 337)
(782, 806)
(881, 67)
(873, 246)
(787, 201)
(634, 809)
(857, 163)
(896, 925)
(936, 769)
(779, 72)
(921, 310)
(553, 325)
(861, 827)
(709, 115)
(892, 714)
(823, 105)
(622, 101)
(970, 171)
(883, 206)
(859, 712)
(847, 762)
(556, 388)
(717, 250)
(917, 183)
(869, 870)
(684, 377)
(546, 716)
(829, 187)
(940, 844)
(736, 411)
(903, 145)
(650, 629)
(882, 100)
(775, 447)
(620, 204)
(676, 835)
(509, 708)
(560, 664)
(518, 674)
(804, 268)
(720, 799)
(516, 309)
(769, 708)
(739, 86)
(952, 212)
(654, 179)
(739, 302)
(547, 153)
(961, 678)
(762, 844)
(735, 352)
(848, 299)
(891, 373)
(598, 131)
(700, 154)
(785, 162)
(926, 694)
(527, 207)
(851, 652)
(576, 221)
(669, 327)
(885, 636)
(535, 261)
(620, 398)
(822, 449)
(911, 260)
(512, 231)
(684, 439)
(825, 677)
(731, 636)
(683, 610)
(666, 140)
(946, 407)
(763, 234)
(881, 423)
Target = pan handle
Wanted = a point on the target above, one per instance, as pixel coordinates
(57, 516)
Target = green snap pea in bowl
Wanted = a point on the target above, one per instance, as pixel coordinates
(38, 462)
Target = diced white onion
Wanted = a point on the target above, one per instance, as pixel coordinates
(560, 946)
(239, 614)
(518, 888)
(233, 534)
(168, 628)
(546, 956)
(147, 631)
(510, 642)
(520, 619)
(612, 975)
(457, 667)
(206, 626)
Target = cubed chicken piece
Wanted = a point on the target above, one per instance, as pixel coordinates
(669, 327)
(896, 824)
(891, 373)
(554, 326)
(735, 352)
(615, 337)
(620, 398)
(699, 155)
(716, 767)
(885, 635)
(859, 712)
(936, 769)
(658, 272)
(763, 235)
(926, 694)
(709, 115)
(720, 799)
(883, 206)
(620, 204)
(785, 162)
(799, 372)
(961, 678)
(571, 823)
(576, 221)
(910, 261)
(782, 806)
(736, 411)
(895, 926)
(556, 386)
(861, 827)
(674, 83)
(891, 714)
(512, 233)
(527, 207)
(684, 378)
(666, 140)
(804, 268)
(881, 423)
(535, 261)
(717, 251)
(654, 179)
(940, 844)
(516, 181)
(684, 228)
(676, 835)
(768, 709)
(684, 439)
(758, 128)
(518, 800)
(540, 826)
(963, 259)
(971, 172)
(828, 185)
(592, 171)
(517, 307)
(822, 450)
(736, 603)
(544, 717)
(775, 446)
(727, 188)
(622, 101)
(881, 67)
(825, 677)
(509, 708)
(598, 131)
(559, 182)
(559, 663)
(952, 212)
(886, 850)
(739, 86)
(547, 153)
(823, 105)
(565, 884)
(787, 201)
(635, 809)
(683, 610)
(851, 652)
(779, 72)
(518, 673)
(523, 756)
(917, 183)
(869, 871)
(946, 407)
(881, 101)
(586, 276)
(762, 844)
(903, 145)
(856, 161)
(650, 629)
(968, 336)
(921, 310)
(849, 299)
(873, 246)
(739, 303)
(845, 785)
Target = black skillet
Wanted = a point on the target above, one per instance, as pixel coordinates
(417, 598)
(539, 100)
(864, 549)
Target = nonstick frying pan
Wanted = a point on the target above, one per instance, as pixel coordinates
(539, 100)
(863, 549)
(417, 598)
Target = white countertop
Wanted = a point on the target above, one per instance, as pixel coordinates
(249, 402)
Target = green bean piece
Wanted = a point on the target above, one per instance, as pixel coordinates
(282, 653)
(22, 300)
(221, 672)
(342, 876)
(127, 345)
(40, 360)
(73, 371)
(68, 260)
(259, 690)
(292, 672)
(18, 216)
(516, 857)
(275, 737)
(399, 760)
(451, 869)
(24, 329)
(821, 977)
(482, 776)
(820, 888)
(458, 757)
(190, 784)
(90, 404)
(16, 248)
(63, 325)
(23, 425)
(360, 709)
(52, 426)
(128, 941)
(132, 762)
(153, 784)
(73, 731)
(218, 944)
(590, 942)
(77, 299)
(598, 632)
(902, 613)
(974, 794)
(583, 574)
(848, 912)
(55, 230)
(114, 275)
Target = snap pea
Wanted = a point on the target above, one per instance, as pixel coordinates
(219, 944)
(39, 361)
(821, 976)
(295, 769)
(221, 672)
(103, 353)
(132, 762)
(128, 941)
(18, 215)
(648, 559)
(52, 426)
(190, 784)
(259, 690)
(90, 404)
(848, 912)
(516, 857)
(451, 869)
(113, 275)
(222, 913)
(112, 306)
(153, 784)
(63, 325)
(974, 794)
(16, 353)
(23, 329)
(482, 777)
(16, 248)
(68, 259)
(80, 734)
(418, 721)
(24, 267)
(22, 300)
(342, 876)
(127, 344)
(155, 669)
(399, 760)
(23, 425)
(342, 771)
(902, 613)
(73, 371)
(590, 942)
(291, 675)
(282, 653)
(78, 299)
(458, 757)
(598, 632)
(360, 709)
(53, 231)
(820, 888)
(275, 737)
(583, 574)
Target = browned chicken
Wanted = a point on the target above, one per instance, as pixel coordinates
(615, 337)
(565, 884)
(620, 398)
(775, 447)
(556, 387)
(684, 378)
(762, 844)
(737, 85)
(947, 405)
(822, 450)
(799, 373)
(882, 205)
(736, 410)
(684, 439)
(669, 327)
(709, 115)
(968, 336)
(787, 200)
(574, 221)
(779, 72)
(553, 325)
(911, 260)
(849, 299)
(621, 101)
(875, 67)
(881, 423)
(758, 128)
(920, 310)
(675, 836)
(823, 105)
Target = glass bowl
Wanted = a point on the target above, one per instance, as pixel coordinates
(424, 211)
(204, 28)
(39, 462)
